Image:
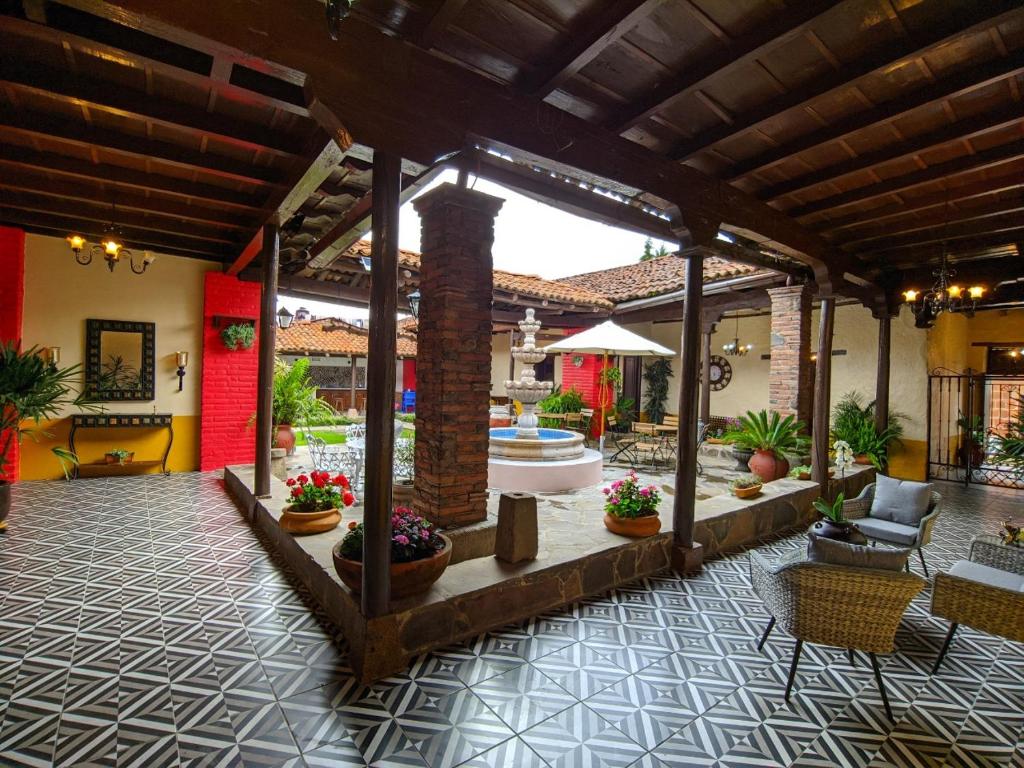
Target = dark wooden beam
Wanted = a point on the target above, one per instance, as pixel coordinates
(882, 372)
(964, 130)
(822, 391)
(986, 272)
(730, 57)
(972, 162)
(124, 102)
(380, 386)
(267, 354)
(440, 21)
(950, 87)
(929, 253)
(950, 233)
(712, 306)
(705, 371)
(114, 175)
(945, 30)
(601, 30)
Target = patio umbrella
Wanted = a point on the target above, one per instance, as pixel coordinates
(608, 339)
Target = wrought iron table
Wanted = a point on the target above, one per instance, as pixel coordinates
(120, 421)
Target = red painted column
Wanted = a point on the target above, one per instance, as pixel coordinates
(12, 305)
(585, 378)
(229, 378)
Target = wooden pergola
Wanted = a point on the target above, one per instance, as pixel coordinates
(847, 144)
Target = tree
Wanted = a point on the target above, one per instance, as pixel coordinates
(651, 253)
(656, 376)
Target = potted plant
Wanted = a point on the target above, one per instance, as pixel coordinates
(768, 435)
(631, 509)
(404, 469)
(419, 554)
(1008, 448)
(746, 486)
(973, 446)
(315, 502)
(119, 456)
(833, 523)
(295, 400)
(854, 423)
(238, 336)
(32, 390)
(803, 472)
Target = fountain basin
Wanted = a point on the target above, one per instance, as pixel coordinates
(549, 445)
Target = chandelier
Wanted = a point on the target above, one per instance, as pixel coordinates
(944, 296)
(111, 248)
(734, 348)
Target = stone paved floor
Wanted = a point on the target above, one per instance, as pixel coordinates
(143, 623)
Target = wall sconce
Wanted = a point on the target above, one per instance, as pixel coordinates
(181, 358)
(51, 355)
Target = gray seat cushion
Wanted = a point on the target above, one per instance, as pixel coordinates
(821, 550)
(984, 574)
(887, 530)
(901, 501)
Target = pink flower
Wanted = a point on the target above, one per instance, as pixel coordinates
(616, 485)
(613, 500)
(606, 491)
(402, 539)
(645, 491)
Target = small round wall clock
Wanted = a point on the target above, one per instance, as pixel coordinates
(721, 373)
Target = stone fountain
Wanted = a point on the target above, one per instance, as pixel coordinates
(529, 458)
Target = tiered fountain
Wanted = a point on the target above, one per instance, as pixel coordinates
(529, 458)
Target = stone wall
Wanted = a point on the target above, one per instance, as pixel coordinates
(789, 377)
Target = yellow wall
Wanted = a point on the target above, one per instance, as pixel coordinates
(60, 295)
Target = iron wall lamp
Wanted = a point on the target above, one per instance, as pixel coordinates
(181, 358)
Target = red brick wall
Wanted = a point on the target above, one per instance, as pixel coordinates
(409, 373)
(789, 376)
(229, 378)
(12, 300)
(586, 380)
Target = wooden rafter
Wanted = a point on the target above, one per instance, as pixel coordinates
(440, 21)
(957, 230)
(922, 254)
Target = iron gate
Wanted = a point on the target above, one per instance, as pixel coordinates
(965, 411)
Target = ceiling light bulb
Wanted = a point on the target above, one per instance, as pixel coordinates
(976, 291)
(77, 242)
(955, 291)
(111, 247)
(910, 296)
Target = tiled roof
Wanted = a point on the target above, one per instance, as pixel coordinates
(331, 336)
(653, 277)
(511, 282)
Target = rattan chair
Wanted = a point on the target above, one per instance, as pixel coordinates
(903, 536)
(840, 606)
(985, 592)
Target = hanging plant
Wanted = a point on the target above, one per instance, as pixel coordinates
(238, 335)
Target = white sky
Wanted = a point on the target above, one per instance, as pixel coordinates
(530, 237)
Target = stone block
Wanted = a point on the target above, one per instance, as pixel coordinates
(517, 537)
(278, 467)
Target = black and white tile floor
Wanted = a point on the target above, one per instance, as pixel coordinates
(143, 623)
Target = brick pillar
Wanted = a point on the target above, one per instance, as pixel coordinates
(453, 354)
(12, 303)
(789, 377)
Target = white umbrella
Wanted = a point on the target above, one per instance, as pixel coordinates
(608, 339)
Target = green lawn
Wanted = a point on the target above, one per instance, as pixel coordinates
(337, 438)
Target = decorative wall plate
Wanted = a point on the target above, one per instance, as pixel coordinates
(577, 360)
(721, 373)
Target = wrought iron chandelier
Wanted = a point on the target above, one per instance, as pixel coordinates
(944, 296)
(111, 248)
(734, 348)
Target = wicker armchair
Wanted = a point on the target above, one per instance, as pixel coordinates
(860, 509)
(985, 592)
(852, 608)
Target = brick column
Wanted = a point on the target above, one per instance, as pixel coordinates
(453, 354)
(789, 377)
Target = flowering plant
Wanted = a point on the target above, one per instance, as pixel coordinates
(746, 481)
(627, 498)
(843, 453)
(319, 491)
(729, 424)
(412, 538)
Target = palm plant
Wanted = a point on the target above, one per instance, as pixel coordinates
(31, 391)
(854, 422)
(295, 398)
(768, 431)
(656, 376)
(1008, 449)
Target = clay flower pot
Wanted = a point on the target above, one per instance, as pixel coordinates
(112, 459)
(301, 523)
(747, 493)
(634, 527)
(285, 438)
(407, 579)
(862, 458)
(767, 466)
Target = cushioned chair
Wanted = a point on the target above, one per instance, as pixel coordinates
(853, 606)
(899, 523)
(985, 592)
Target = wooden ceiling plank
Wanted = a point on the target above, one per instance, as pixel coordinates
(440, 21)
(949, 233)
(604, 29)
(946, 31)
(965, 129)
(92, 94)
(742, 50)
(39, 125)
(922, 254)
(984, 159)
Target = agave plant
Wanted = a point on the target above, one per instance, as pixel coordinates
(768, 431)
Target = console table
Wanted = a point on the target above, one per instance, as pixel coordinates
(120, 421)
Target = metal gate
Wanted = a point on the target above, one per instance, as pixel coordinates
(965, 411)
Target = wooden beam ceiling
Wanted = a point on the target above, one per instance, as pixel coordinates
(915, 256)
(949, 234)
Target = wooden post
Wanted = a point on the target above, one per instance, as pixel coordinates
(822, 387)
(352, 384)
(380, 385)
(684, 502)
(705, 373)
(882, 382)
(265, 370)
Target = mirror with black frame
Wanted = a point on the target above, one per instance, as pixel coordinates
(119, 359)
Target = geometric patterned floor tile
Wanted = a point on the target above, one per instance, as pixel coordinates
(579, 736)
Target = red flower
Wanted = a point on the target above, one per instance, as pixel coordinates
(290, 481)
(319, 481)
(296, 492)
(352, 525)
(302, 479)
(341, 480)
(348, 498)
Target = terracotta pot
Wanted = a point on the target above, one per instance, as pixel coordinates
(804, 476)
(406, 578)
(301, 523)
(742, 456)
(401, 494)
(767, 466)
(845, 531)
(285, 438)
(634, 527)
(5, 503)
(747, 493)
(862, 458)
(112, 459)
